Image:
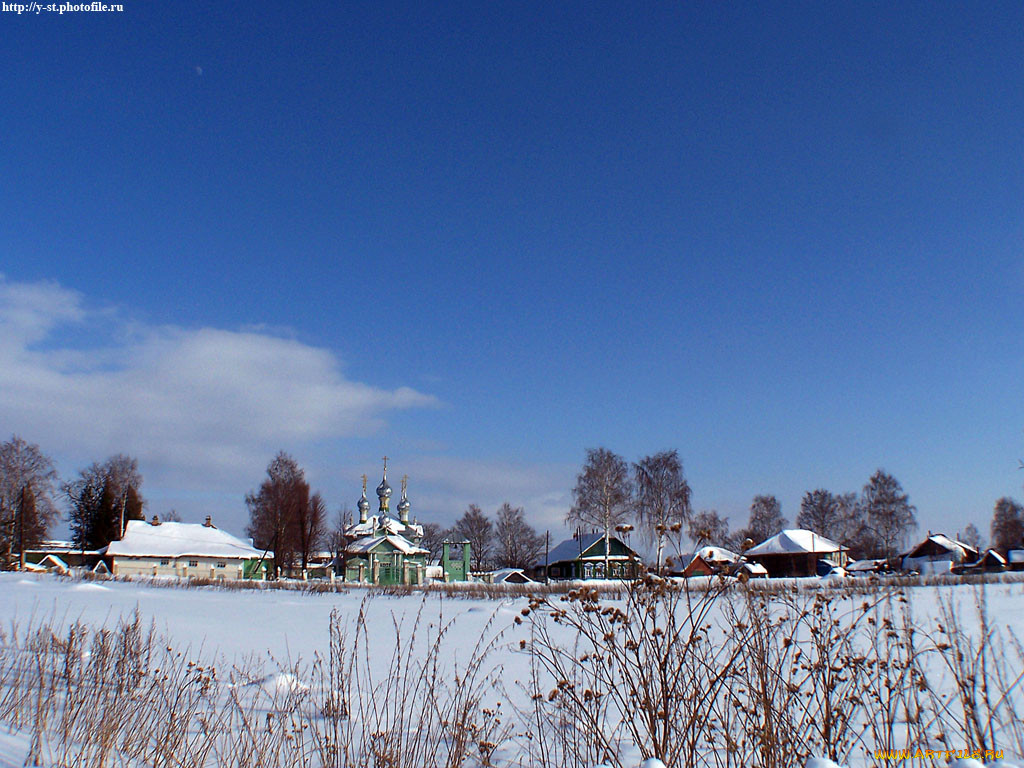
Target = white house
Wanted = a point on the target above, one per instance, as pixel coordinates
(184, 550)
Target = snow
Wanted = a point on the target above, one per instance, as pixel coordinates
(290, 627)
(13, 749)
(398, 542)
(967, 762)
(142, 539)
(716, 555)
(794, 541)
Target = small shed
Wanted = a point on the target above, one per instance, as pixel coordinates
(698, 566)
(508, 576)
(1015, 559)
(747, 570)
(865, 567)
(583, 557)
(795, 553)
(708, 561)
(990, 562)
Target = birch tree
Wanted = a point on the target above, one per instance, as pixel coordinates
(662, 499)
(603, 495)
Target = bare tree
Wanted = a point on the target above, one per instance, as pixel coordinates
(275, 506)
(25, 468)
(475, 528)
(517, 543)
(434, 537)
(972, 536)
(819, 512)
(766, 519)
(889, 513)
(171, 516)
(707, 527)
(662, 499)
(603, 495)
(337, 539)
(309, 526)
(840, 517)
(1007, 525)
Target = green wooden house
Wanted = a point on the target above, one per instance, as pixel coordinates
(583, 557)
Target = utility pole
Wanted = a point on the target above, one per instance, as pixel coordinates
(547, 544)
(124, 503)
(21, 529)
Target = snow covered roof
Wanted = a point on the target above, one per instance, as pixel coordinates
(510, 575)
(754, 569)
(54, 562)
(141, 539)
(864, 565)
(570, 549)
(716, 555)
(795, 541)
(392, 526)
(966, 551)
(400, 543)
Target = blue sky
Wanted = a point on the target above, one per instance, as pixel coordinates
(785, 239)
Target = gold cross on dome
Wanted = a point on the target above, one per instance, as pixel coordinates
(385, 463)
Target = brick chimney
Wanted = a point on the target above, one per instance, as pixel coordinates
(156, 520)
(209, 522)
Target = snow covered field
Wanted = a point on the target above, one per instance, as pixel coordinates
(750, 678)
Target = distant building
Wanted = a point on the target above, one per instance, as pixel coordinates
(184, 550)
(708, 561)
(938, 554)
(990, 562)
(507, 576)
(66, 552)
(583, 557)
(381, 549)
(795, 553)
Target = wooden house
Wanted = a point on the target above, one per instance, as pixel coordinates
(938, 554)
(583, 557)
(795, 553)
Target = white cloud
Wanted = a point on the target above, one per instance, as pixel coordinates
(452, 483)
(181, 400)
(204, 410)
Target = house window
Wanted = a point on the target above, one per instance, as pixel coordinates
(222, 565)
(193, 563)
(165, 562)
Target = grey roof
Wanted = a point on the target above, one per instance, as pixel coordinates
(570, 549)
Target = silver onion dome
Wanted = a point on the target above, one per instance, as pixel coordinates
(384, 490)
(364, 504)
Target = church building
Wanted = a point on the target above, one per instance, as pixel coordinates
(381, 549)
